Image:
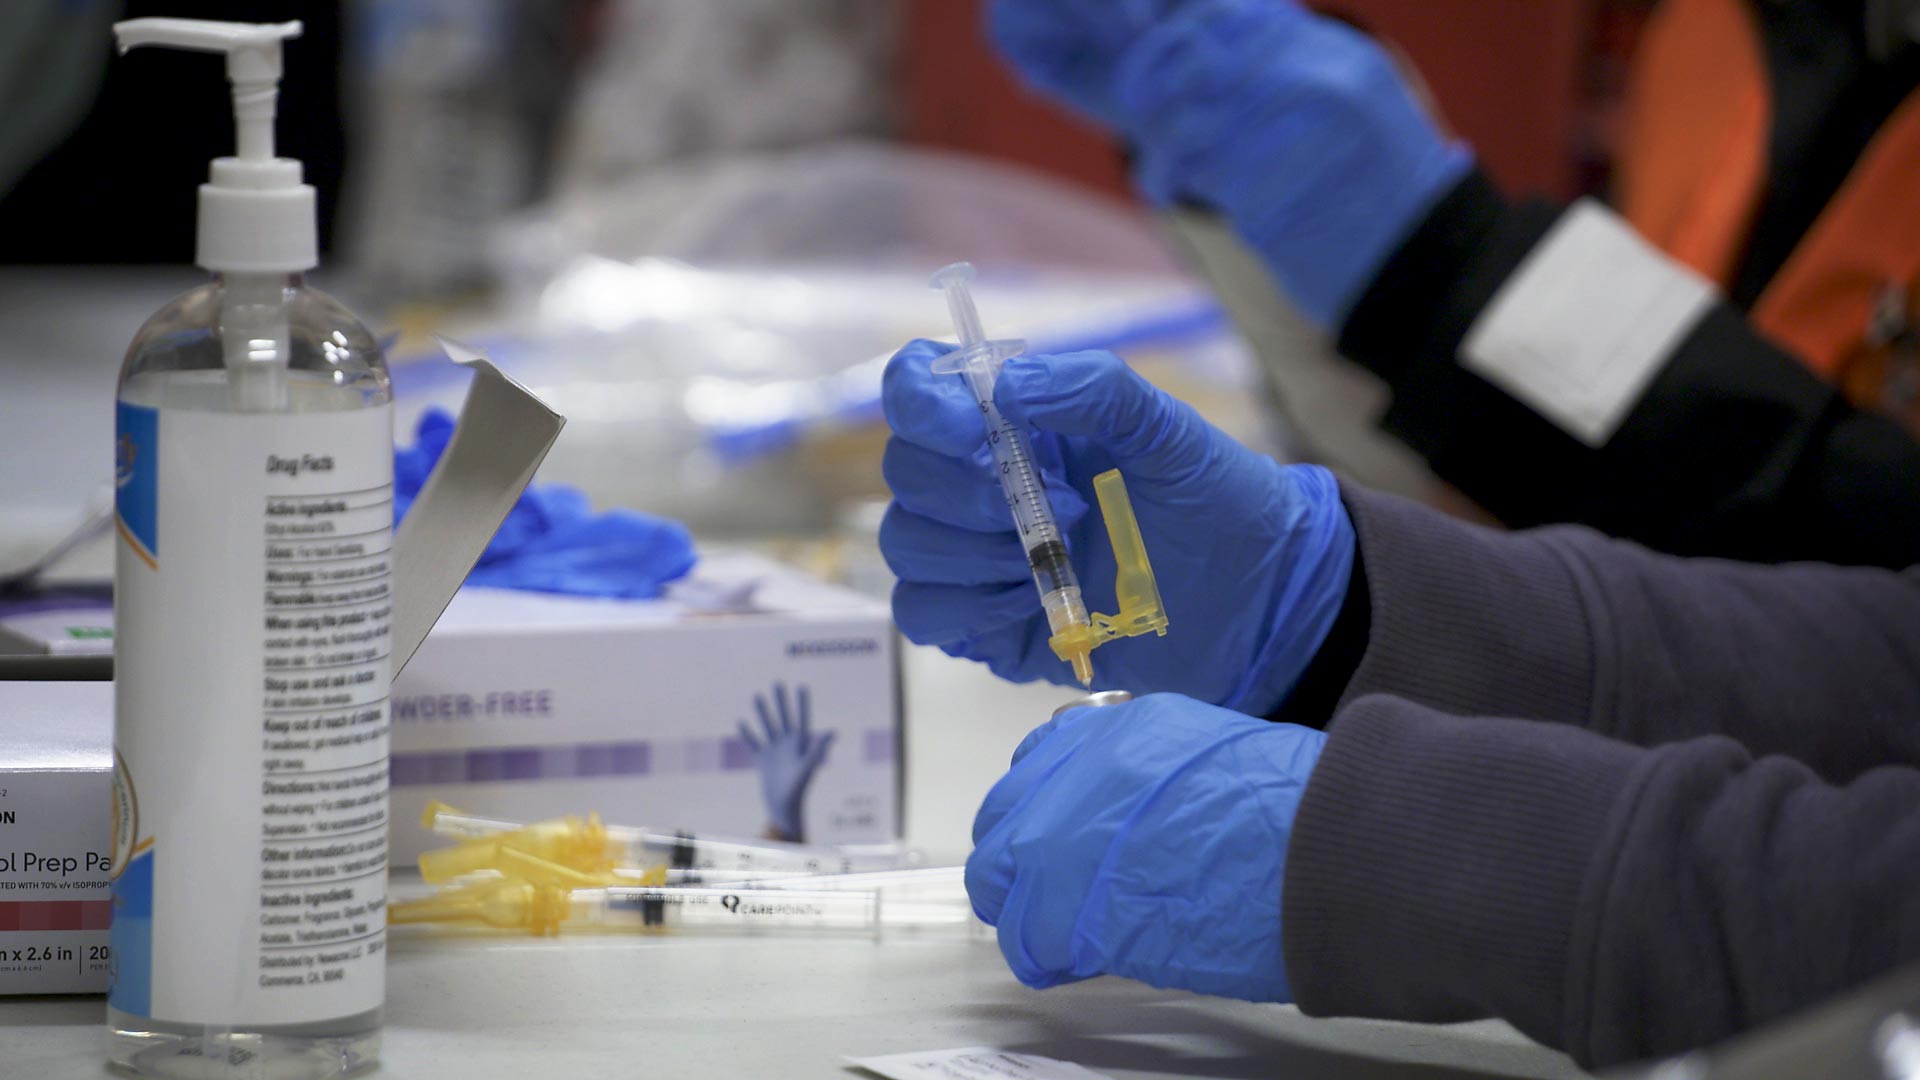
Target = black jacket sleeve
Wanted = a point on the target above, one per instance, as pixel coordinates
(1735, 449)
(1616, 902)
(1819, 663)
(1631, 803)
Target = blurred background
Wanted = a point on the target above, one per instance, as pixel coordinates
(697, 229)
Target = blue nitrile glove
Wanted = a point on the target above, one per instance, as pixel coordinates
(1252, 557)
(787, 755)
(1297, 127)
(552, 541)
(1146, 840)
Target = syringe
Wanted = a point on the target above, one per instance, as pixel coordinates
(980, 360)
(512, 904)
(583, 843)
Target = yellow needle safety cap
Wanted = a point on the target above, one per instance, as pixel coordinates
(518, 879)
(504, 904)
(581, 846)
(1134, 587)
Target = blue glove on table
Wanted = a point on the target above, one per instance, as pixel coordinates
(552, 541)
(1146, 840)
(1297, 127)
(787, 753)
(1252, 557)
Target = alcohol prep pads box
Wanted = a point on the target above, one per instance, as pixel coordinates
(56, 798)
(752, 701)
(75, 621)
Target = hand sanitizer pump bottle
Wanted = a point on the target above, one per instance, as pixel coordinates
(254, 627)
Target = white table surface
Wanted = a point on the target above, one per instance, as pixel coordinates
(793, 1007)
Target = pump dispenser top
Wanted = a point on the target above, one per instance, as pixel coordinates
(256, 216)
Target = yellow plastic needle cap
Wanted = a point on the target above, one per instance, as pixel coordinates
(1133, 585)
(501, 904)
(569, 842)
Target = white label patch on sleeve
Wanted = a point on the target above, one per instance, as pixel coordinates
(973, 1063)
(1585, 323)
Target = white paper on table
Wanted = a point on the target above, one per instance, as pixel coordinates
(973, 1063)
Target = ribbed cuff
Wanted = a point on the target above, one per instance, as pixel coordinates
(1324, 682)
(1436, 866)
(1320, 552)
(1467, 619)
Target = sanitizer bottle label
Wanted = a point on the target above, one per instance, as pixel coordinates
(254, 630)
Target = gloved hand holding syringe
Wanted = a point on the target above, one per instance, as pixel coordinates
(1075, 633)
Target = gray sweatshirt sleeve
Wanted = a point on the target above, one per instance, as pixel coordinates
(1816, 662)
(1623, 871)
(1613, 901)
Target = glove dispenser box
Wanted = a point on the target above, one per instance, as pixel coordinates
(750, 701)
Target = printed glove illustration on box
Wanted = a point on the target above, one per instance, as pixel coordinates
(788, 753)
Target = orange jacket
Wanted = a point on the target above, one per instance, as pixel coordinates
(1692, 174)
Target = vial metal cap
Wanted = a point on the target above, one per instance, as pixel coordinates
(1104, 697)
